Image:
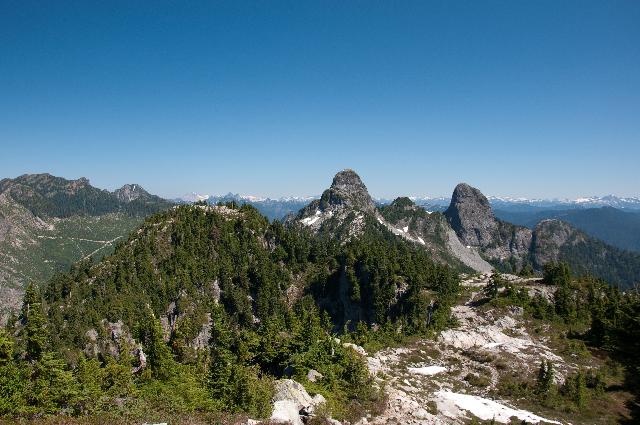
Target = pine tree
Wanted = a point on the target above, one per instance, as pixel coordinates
(34, 332)
(494, 285)
(6, 348)
(544, 383)
(580, 390)
(159, 358)
(222, 360)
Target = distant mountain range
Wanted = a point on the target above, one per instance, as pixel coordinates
(278, 208)
(47, 223)
(620, 228)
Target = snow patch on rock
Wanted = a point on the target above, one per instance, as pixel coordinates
(427, 370)
(453, 404)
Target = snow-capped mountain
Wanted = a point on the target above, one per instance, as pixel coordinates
(191, 197)
(280, 207)
(510, 203)
(630, 203)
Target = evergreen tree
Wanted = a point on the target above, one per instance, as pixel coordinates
(6, 348)
(221, 366)
(545, 380)
(158, 354)
(495, 283)
(35, 332)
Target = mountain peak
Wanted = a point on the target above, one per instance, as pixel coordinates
(465, 194)
(131, 192)
(471, 216)
(348, 189)
(347, 195)
(346, 177)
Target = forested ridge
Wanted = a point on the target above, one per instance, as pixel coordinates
(272, 300)
(49, 196)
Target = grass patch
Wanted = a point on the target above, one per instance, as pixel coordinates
(477, 380)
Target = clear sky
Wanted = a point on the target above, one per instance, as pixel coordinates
(520, 98)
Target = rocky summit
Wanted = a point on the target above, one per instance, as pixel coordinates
(471, 216)
(132, 192)
(347, 189)
(341, 210)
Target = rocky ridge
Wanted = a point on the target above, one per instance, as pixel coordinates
(468, 235)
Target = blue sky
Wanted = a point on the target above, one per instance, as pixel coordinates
(518, 98)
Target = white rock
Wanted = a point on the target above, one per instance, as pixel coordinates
(356, 348)
(286, 411)
(318, 399)
(288, 389)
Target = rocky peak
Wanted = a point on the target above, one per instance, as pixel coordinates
(131, 192)
(471, 216)
(403, 202)
(346, 202)
(347, 189)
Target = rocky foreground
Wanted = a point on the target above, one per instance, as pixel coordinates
(454, 378)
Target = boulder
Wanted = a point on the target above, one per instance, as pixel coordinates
(288, 389)
(286, 411)
(291, 402)
(314, 376)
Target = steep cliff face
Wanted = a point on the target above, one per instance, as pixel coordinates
(509, 247)
(471, 217)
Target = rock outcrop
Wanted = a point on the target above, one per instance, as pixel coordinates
(549, 236)
(471, 217)
(292, 403)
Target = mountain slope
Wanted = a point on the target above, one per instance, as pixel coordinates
(613, 226)
(509, 247)
(50, 196)
(47, 223)
(555, 240)
(182, 262)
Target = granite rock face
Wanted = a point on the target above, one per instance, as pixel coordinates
(472, 218)
(347, 189)
(550, 236)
